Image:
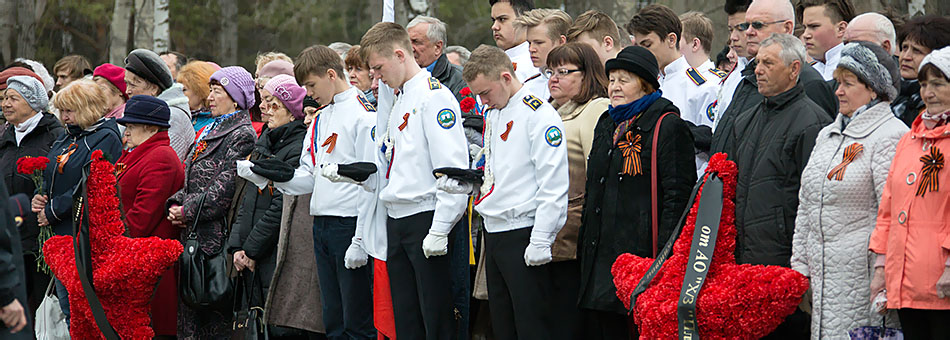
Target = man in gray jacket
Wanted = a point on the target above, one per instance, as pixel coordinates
(777, 137)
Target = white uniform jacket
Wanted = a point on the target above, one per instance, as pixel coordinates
(727, 89)
(423, 132)
(341, 134)
(538, 84)
(525, 168)
(693, 94)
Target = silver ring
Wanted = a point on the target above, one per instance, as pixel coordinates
(911, 178)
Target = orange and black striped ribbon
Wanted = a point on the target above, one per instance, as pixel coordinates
(933, 162)
(850, 153)
(630, 149)
(63, 158)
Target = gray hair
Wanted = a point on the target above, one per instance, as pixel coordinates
(436, 31)
(340, 48)
(463, 53)
(883, 27)
(792, 47)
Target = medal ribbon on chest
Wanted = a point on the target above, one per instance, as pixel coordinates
(331, 141)
(63, 158)
(850, 153)
(932, 163)
(630, 149)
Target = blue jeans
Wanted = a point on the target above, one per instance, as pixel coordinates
(347, 293)
(63, 297)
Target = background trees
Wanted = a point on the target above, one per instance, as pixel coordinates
(234, 31)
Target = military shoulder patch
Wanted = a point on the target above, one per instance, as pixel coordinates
(434, 84)
(366, 104)
(694, 75)
(711, 111)
(533, 102)
(719, 73)
(553, 136)
(446, 118)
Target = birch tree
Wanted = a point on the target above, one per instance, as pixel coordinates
(228, 38)
(144, 24)
(119, 31)
(160, 34)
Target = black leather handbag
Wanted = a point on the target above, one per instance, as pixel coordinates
(204, 281)
(249, 308)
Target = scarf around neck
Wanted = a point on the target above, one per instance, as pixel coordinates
(626, 111)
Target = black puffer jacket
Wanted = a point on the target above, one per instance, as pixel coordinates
(617, 211)
(747, 97)
(35, 144)
(449, 75)
(772, 145)
(908, 104)
(258, 223)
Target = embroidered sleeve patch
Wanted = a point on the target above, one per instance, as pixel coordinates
(434, 84)
(372, 134)
(533, 102)
(695, 76)
(366, 104)
(553, 136)
(710, 111)
(446, 118)
(719, 73)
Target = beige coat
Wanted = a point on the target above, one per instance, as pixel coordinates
(294, 296)
(579, 122)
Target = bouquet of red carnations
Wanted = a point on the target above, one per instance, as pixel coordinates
(34, 167)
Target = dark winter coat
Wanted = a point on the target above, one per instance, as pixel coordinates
(617, 212)
(747, 97)
(79, 144)
(772, 146)
(258, 223)
(143, 198)
(35, 144)
(12, 269)
(449, 75)
(908, 104)
(210, 169)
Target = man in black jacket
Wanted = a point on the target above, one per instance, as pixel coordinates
(17, 323)
(427, 35)
(764, 18)
(777, 136)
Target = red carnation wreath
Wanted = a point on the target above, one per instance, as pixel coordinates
(125, 270)
(736, 302)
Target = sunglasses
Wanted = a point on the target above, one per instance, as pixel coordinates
(758, 25)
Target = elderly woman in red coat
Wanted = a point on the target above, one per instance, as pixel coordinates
(149, 172)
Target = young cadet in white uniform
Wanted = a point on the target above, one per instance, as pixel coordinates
(423, 133)
(523, 199)
(658, 29)
(510, 38)
(545, 29)
(341, 134)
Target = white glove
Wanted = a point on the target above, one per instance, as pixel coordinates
(435, 244)
(355, 255)
(474, 150)
(453, 186)
(330, 172)
(244, 171)
(537, 253)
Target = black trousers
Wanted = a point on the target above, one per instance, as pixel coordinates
(421, 287)
(924, 323)
(796, 326)
(519, 296)
(567, 316)
(602, 325)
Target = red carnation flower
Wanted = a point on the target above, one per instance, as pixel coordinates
(467, 104)
(465, 91)
(29, 165)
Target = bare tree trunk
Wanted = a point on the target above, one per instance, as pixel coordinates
(402, 12)
(26, 29)
(162, 42)
(119, 31)
(7, 24)
(67, 43)
(144, 24)
(229, 32)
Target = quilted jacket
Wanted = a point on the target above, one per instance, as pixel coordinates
(835, 218)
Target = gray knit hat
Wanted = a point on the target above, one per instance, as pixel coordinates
(873, 66)
(32, 91)
(149, 66)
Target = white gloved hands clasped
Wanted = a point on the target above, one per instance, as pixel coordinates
(330, 171)
(245, 172)
(453, 186)
(355, 256)
(537, 253)
(435, 244)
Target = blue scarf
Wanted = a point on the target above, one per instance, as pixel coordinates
(629, 110)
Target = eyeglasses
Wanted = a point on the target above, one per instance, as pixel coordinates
(756, 24)
(561, 72)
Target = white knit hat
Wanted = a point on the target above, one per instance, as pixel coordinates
(939, 58)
